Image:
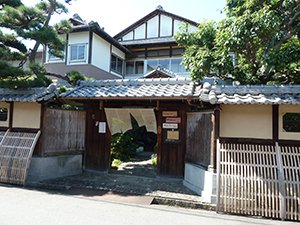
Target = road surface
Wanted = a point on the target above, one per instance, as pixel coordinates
(22, 206)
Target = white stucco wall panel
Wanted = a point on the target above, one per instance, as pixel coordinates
(246, 121)
(101, 53)
(118, 52)
(26, 115)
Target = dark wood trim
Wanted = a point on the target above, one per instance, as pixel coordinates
(215, 136)
(289, 142)
(246, 140)
(258, 141)
(67, 49)
(11, 115)
(90, 47)
(3, 128)
(217, 123)
(159, 20)
(275, 118)
(27, 130)
(150, 16)
(133, 34)
(173, 20)
(110, 50)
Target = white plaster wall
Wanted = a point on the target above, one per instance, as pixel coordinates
(78, 37)
(101, 53)
(7, 106)
(118, 52)
(246, 121)
(26, 115)
(283, 109)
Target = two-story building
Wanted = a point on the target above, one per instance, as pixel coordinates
(146, 47)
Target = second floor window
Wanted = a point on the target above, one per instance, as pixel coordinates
(78, 52)
(116, 64)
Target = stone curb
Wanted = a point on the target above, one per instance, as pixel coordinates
(159, 200)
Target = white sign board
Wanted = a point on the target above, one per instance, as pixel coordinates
(102, 128)
(170, 125)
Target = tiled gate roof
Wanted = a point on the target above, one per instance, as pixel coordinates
(157, 88)
(245, 94)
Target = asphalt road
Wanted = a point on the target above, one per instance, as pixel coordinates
(23, 206)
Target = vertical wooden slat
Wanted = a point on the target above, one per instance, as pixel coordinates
(281, 181)
(218, 174)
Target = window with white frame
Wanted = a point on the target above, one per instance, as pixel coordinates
(78, 53)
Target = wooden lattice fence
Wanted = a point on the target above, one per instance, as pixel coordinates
(16, 150)
(259, 180)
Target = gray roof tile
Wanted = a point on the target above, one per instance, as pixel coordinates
(245, 94)
(27, 94)
(156, 88)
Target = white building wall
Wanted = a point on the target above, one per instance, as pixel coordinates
(101, 53)
(118, 52)
(78, 38)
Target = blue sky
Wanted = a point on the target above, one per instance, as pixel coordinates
(116, 15)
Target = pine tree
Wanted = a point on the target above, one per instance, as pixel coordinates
(28, 23)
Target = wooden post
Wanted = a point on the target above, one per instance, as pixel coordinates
(216, 135)
(275, 118)
(282, 193)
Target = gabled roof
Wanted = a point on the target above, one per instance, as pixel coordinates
(95, 27)
(263, 94)
(143, 89)
(160, 72)
(27, 94)
(157, 11)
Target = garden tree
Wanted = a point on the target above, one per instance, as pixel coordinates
(33, 24)
(263, 36)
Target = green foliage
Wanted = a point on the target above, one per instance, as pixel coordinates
(62, 89)
(262, 34)
(75, 76)
(116, 163)
(122, 146)
(28, 23)
(154, 159)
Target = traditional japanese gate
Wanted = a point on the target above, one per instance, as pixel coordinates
(260, 180)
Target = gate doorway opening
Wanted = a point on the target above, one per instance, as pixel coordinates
(133, 149)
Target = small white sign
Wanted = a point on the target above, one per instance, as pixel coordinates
(170, 125)
(102, 128)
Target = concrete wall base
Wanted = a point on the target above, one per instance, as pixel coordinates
(43, 168)
(201, 181)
